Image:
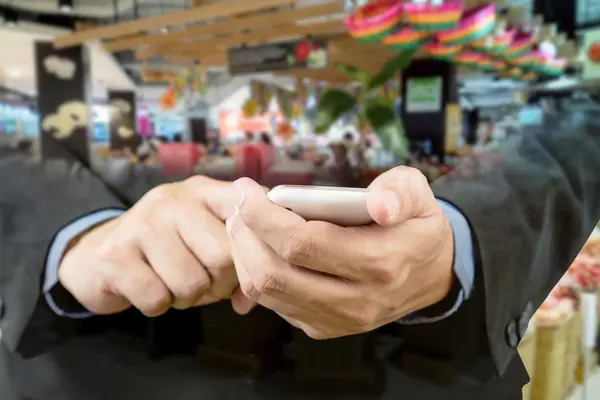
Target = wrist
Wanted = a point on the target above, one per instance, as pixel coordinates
(431, 284)
(81, 246)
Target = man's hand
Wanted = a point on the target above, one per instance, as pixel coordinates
(331, 281)
(170, 250)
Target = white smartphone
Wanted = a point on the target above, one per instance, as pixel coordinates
(338, 205)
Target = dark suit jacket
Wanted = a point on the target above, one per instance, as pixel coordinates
(530, 209)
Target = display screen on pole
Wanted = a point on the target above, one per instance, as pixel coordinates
(424, 95)
(309, 53)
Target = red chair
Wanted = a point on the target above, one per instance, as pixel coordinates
(178, 159)
(247, 162)
(267, 158)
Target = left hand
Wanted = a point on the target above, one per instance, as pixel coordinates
(332, 281)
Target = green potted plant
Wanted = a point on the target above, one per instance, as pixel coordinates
(371, 106)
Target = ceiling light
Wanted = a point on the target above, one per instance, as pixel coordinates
(65, 5)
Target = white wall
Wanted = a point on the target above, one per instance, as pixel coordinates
(229, 96)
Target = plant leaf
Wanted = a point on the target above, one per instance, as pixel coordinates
(354, 72)
(388, 128)
(332, 105)
(390, 69)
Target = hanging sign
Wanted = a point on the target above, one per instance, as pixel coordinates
(310, 53)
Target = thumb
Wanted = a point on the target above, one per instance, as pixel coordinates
(240, 303)
(398, 195)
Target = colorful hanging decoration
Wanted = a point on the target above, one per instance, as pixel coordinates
(514, 73)
(297, 109)
(555, 67)
(301, 91)
(442, 52)
(529, 77)
(260, 94)
(485, 63)
(405, 39)
(285, 99)
(474, 37)
(431, 17)
(168, 100)
(498, 66)
(285, 131)
(527, 61)
(199, 79)
(476, 23)
(484, 44)
(522, 44)
(502, 40)
(375, 20)
(188, 80)
(469, 59)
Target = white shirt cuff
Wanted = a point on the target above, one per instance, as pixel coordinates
(59, 246)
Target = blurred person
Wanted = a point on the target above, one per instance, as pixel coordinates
(353, 150)
(459, 279)
(340, 167)
(265, 138)
(148, 149)
(249, 137)
(214, 146)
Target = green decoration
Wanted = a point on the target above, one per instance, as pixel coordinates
(375, 107)
(332, 105)
(387, 126)
(390, 69)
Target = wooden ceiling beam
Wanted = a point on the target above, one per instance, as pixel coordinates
(233, 25)
(187, 16)
(278, 34)
(371, 64)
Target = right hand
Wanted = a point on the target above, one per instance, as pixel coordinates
(170, 250)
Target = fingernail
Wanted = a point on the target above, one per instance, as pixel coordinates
(391, 204)
(238, 193)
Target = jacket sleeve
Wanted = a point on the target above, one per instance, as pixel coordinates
(531, 207)
(36, 200)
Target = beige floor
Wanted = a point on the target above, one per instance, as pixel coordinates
(593, 391)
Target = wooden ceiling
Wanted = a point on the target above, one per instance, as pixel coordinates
(205, 32)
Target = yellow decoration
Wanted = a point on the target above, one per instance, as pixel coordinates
(297, 110)
(250, 108)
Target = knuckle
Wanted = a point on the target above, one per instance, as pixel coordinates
(365, 317)
(108, 252)
(247, 287)
(161, 195)
(189, 290)
(198, 180)
(217, 257)
(269, 282)
(384, 273)
(157, 303)
(297, 245)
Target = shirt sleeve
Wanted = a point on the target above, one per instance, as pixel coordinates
(59, 246)
(464, 264)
